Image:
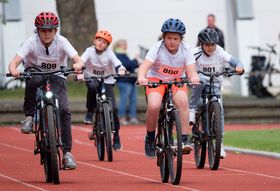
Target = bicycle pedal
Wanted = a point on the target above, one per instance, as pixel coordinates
(36, 151)
(160, 150)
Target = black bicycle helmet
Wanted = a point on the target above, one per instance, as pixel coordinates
(173, 25)
(208, 35)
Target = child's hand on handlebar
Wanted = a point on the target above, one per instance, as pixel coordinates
(122, 72)
(239, 70)
(78, 67)
(194, 79)
(142, 81)
(15, 73)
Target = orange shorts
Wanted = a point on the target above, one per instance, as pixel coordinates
(161, 89)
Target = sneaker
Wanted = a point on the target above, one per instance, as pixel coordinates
(150, 148)
(91, 135)
(223, 153)
(133, 121)
(27, 125)
(117, 143)
(69, 162)
(123, 121)
(186, 145)
(88, 118)
(192, 116)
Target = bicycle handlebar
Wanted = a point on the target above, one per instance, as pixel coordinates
(226, 72)
(28, 74)
(127, 75)
(180, 82)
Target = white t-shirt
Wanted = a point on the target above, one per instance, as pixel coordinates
(167, 66)
(33, 52)
(101, 64)
(216, 62)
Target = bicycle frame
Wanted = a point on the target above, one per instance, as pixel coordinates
(208, 97)
(45, 97)
(48, 141)
(210, 117)
(169, 135)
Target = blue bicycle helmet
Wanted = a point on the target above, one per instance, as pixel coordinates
(173, 25)
(208, 35)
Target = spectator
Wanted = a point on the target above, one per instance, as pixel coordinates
(127, 88)
(211, 23)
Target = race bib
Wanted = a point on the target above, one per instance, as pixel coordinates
(47, 64)
(170, 71)
(98, 72)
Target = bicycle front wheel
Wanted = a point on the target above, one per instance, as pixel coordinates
(162, 160)
(199, 142)
(214, 142)
(108, 131)
(53, 149)
(100, 143)
(174, 150)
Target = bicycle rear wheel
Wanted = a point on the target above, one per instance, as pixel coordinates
(174, 150)
(108, 131)
(161, 152)
(199, 142)
(214, 142)
(100, 143)
(53, 149)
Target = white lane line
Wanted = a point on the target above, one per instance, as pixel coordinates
(99, 167)
(21, 182)
(229, 169)
(134, 176)
(16, 147)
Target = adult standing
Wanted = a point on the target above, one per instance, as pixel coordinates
(127, 89)
(211, 23)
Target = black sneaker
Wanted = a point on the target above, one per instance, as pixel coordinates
(117, 143)
(186, 145)
(88, 118)
(150, 148)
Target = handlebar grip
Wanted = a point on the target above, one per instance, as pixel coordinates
(9, 75)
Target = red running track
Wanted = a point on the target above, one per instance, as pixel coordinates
(20, 169)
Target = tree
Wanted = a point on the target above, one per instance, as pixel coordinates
(78, 22)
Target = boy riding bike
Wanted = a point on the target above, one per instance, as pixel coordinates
(167, 60)
(210, 57)
(100, 61)
(47, 50)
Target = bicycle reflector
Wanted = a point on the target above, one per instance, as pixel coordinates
(49, 94)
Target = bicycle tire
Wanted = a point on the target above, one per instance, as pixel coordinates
(214, 142)
(100, 144)
(174, 151)
(161, 154)
(108, 132)
(51, 121)
(199, 142)
(14, 84)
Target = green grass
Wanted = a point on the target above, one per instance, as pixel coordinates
(262, 140)
(76, 91)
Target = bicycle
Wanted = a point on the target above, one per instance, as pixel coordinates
(15, 83)
(47, 128)
(103, 126)
(207, 131)
(169, 136)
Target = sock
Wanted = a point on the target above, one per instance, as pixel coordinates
(184, 137)
(151, 135)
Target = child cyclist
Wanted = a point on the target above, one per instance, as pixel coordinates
(46, 46)
(170, 53)
(210, 55)
(99, 60)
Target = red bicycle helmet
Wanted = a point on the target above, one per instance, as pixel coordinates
(46, 20)
(106, 35)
